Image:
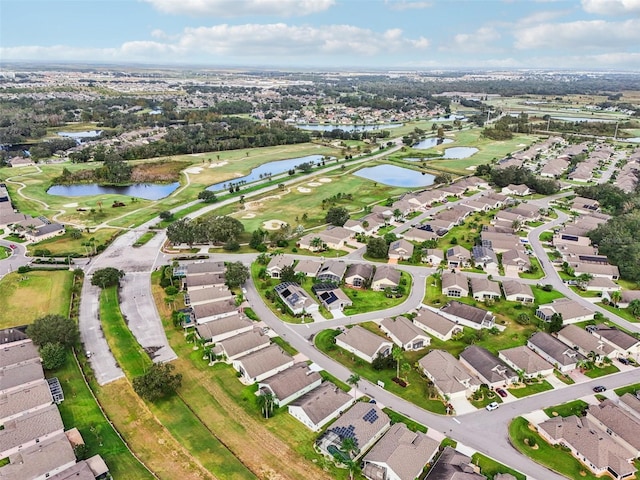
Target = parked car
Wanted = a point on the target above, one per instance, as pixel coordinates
(599, 389)
(12, 246)
(501, 392)
(492, 406)
(624, 361)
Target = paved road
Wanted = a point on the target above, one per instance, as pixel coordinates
(17, 259)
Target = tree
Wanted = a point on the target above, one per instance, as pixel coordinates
(53, 355)
(555, 325)
(348, 446)
(257, 238)
(634, 307)
(397, 214)
(157, 382)
(288, 274)
(53, 329)
(75, 233)
(616, 296)
(166, 215)
(337, 216)
(107, 277)
(377, 248)
(354, 380)
(266, 401)
(316, 243)
(397, 354)
(236, 274)
(207, 196)
(523, 319)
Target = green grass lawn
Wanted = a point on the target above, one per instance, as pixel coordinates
(485, 397)
(5, 252)
(172, 412)
(490, 467)
(543, 297)
(597, 372)
(553, 457)
(285, 346)
(399, 418)
(621, 312)
(628, 389)
(27, 296)
(80, 410)
(144, 238)
(416, 392)
(538, 272)
(531, 389)
(575, 407)
(64, 245)
(566, 379)
(369, 301)
(14, 238)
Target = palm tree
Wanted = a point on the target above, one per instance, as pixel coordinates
(348, 446)
(354, 380)
(616, 296)
(300, 277)
(396, 353)
(316, 242)
(397, 214)
(406, 370)
(634, 307)
(266, 401)
(191, 336)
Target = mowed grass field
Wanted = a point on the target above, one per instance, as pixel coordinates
(27, 296)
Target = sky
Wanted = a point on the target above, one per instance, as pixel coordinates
(358, 34)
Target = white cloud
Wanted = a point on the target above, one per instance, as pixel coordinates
(479, 41)
(407, 4)
(611, 7)
(541, 16)
(271, 43)
(239, 8)
(597, 34)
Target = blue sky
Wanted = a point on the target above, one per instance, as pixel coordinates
(397, 34)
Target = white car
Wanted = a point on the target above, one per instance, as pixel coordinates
(492, 406)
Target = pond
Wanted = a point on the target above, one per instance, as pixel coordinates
(81, 136)
(431, 142)
(347, 128)
(273, 168)
(459, 152)
(148, 191)
(633, 139)
(448, 118)
(396, 176)
(584, 119)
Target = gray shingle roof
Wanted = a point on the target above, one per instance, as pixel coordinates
(30, 426)
(560, 352)
(615, 336)
(243, 342)
(223, 325)
(467, 312)
(19, 400)
(291, 380)
(18, 374)
(623, 424)
(352, 423)
(447, 372)
(205, 267)
(526, 360)
(262, 361)
(18, 352)
(363, 340)
(490, 367)
(321, 402)
(205, 310)
(402, 328)
(37, 460)
(434, 321)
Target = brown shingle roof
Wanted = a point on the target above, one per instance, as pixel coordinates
(262, 361)
(18, 374)
(402, 328)
(30, 426)
(363, 340)
(18, 352)
(321, 402)
(19, 400)
(37, 460)
(291, 380)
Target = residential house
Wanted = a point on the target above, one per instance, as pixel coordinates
(596, 270)
(523, 359)
(436, 325)
(485, 258)
(500, 242)
(477, 205)
(319, 406)
(277, 263)
(51, 458)
(570, 310)
(223, 328)
(482, 288)
(309, 267)
(24, 399)
(363, 343)
(519, 190)
(433, 256)
(206, 280)
(364, 423)
(208, 295)
(452, 465)
(455, 284)
(420, 235)
(618, 423)
(30, 429)
(515, 291)
(585, 205)
(515, 261)
(399, 455)
(241, 344)
(555, 167)
(332, 271)
(490, 369)
(631, 403)
(473, 183)
(400, 250)
(359, 275)
(331, 297)
(48, 230)
(530, 213)
(333, 237)
(602, 284)
(585, 343)
(628, 296)
(559, 354)
(404, 333)
(290, 384)
(458, 257)
(385, 277)
(296, 298)
(266, 362)
(622, 342)
(467, 315)
(594, 448)
(16, 376)
(448, 375)
(20, 352)
(208, 312)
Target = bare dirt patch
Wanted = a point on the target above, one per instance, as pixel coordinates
(218, 164)
(193, 170)
(304, 190)
(314, 184)
(70, 205)
(324, 180)
(273, 224)
(249, 215)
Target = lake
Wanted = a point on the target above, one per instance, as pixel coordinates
(274, 168)
(459, 152)
(584, 119)
(347, 128)
(448, 118)
(79, 137)
(633, 139)
(431, 142)
(396, 176)
(148, 191)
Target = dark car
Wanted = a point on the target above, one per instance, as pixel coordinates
(624, 361)
(12, 246)
(599, 389)
(501, 392)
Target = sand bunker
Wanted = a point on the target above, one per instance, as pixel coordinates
(324, 180)
(196, 154)
(249, 215)
(70, 205)
(273, 224)
(471, 168)
(304, 190)
(193, 170)
(314, 184)
(219, 164)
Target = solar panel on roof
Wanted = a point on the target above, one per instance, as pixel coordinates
(371, 416)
